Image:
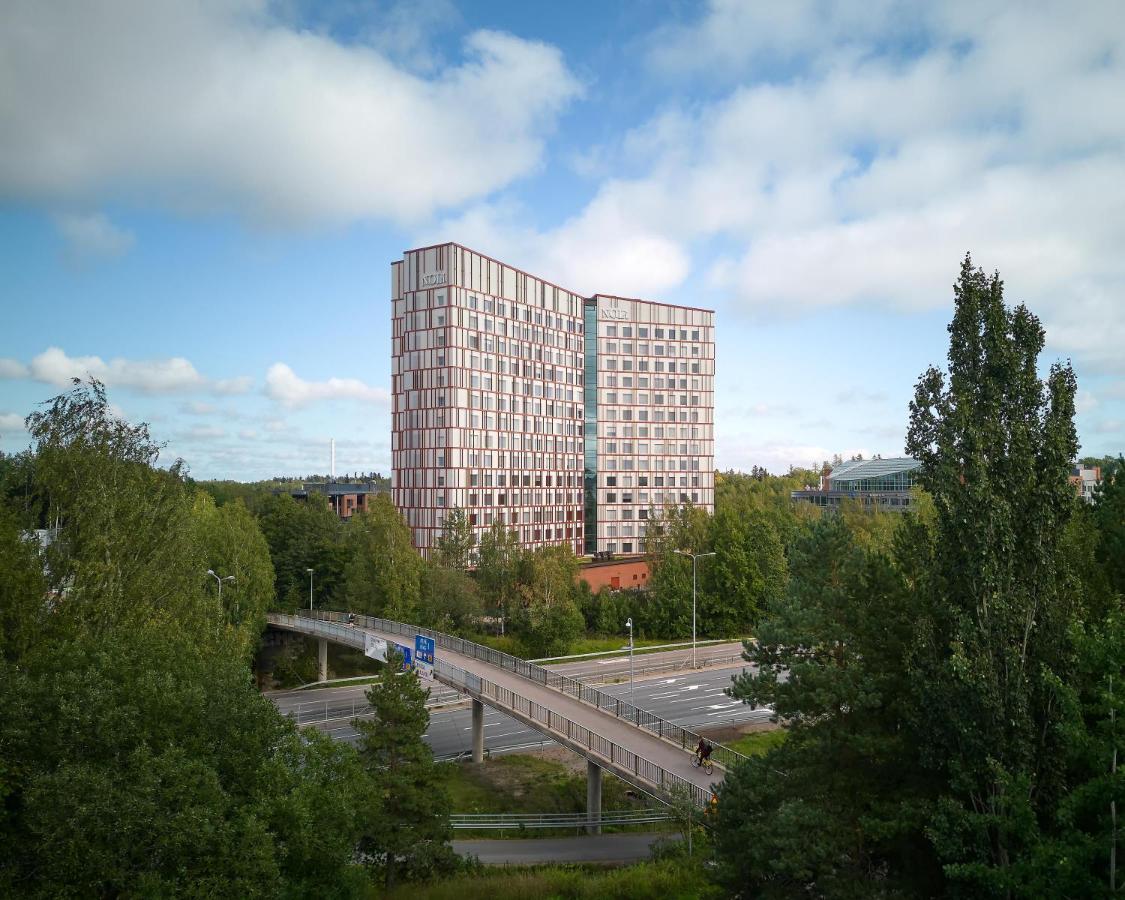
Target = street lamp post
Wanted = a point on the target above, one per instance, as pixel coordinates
(310, 572)
(227, 578)
(694, 557)
(629, 625)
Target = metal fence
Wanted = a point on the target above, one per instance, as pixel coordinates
(621, 709)
(639, 671)
(312, 712)
(500, 821)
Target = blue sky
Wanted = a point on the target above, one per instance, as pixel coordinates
(199, 203)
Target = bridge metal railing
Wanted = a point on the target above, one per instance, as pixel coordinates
(550, 722)
(619, 759)
(686, 738)
(503, 821)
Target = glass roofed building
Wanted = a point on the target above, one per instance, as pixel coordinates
(886, 483)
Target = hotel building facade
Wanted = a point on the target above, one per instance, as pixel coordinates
(568, 419)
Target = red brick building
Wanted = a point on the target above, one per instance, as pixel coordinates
(631, 572)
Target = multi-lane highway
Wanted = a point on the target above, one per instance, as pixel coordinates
(691, 698)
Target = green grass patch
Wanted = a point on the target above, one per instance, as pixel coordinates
(518, 783)
(759, 743)
(600, 643)
(662, 880)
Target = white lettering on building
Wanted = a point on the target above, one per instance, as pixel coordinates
(433, 278)
(615, 312)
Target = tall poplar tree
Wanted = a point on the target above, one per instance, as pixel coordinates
(993, 656)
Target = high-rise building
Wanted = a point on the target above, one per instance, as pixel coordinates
(566, 418)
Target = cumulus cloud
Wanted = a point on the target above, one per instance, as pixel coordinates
(223, 106)
(153, 376)
(92, 235)
(290, 390)
(10, 422)
(853, 154)
(12, 368)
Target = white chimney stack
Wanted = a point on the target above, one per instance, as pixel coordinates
(333, 470)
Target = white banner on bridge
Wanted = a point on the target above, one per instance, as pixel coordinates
(374, 647)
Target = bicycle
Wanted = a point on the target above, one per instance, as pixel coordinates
(700, 763)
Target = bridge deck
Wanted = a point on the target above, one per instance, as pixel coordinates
(553, 703)
(636, 740)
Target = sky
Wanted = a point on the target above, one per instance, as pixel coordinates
(200, 202)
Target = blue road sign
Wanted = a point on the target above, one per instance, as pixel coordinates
(424, 656)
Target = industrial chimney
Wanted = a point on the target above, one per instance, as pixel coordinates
(332, 471)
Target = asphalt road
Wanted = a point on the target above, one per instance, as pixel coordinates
(603, 848)
(693, 699)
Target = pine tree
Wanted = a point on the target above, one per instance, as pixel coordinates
(411, 828)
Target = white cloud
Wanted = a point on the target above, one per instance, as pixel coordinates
(290, 390)
(153, 376)
(92, 235)
(221, 106)
(868, 148)
(231, 386)
(12, 368)
(10, 422)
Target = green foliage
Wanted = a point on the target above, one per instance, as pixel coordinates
(233, 545)
(517, 783)
(24, 606)
(137, 759)
(304, 535)
(383, 575)
(411, 833)
(660, 880)
(747, 571)
(449, 601)
(498, 561)
(1109, 514)
(946, 682)
(547, 618)
(454, 546)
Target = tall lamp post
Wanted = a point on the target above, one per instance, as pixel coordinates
(694, 557)
(629, 625)
(227, 578)
(310, 572)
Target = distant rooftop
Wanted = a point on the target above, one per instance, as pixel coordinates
(344, 487)
(857, 469)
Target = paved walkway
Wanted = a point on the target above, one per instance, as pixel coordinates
(603, 848)
(637, 740)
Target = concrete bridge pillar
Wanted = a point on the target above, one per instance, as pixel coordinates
(593, 798)
(478, 731)
(322, 660)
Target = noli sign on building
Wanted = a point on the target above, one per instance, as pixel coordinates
(424, 656)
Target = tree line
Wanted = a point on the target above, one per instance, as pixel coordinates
(136, 756)
(952, 695)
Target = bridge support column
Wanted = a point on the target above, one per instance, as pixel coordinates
(593, 798)
(322, 660)
(478, 731)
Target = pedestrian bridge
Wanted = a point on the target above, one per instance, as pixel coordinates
(651, 753)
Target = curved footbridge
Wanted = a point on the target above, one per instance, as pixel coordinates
(643, 749)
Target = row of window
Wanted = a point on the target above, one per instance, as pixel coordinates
(626, 331)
